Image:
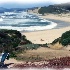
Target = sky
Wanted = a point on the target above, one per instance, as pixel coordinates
(29, 3)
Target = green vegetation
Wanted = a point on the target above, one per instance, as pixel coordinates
(35, 46)
(64, 39)
(52, 9)
(44, 45)
(10, 39)
(31, 46)
(29, 58)
(13, 42)
(55, 41)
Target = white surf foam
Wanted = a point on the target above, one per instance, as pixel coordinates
(1, 19)
(31, 28)
(25, 21)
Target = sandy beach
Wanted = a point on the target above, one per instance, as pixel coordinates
(62, 17)
(47, 36)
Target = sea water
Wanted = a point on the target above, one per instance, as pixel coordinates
(22, 21)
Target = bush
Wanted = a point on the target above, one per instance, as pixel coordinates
(65, 42)
(64, 39)
(65, 35)
(43, 45)
(31, 46)
(12, 55)
(51, 9)
(10, 39)
(55, 41)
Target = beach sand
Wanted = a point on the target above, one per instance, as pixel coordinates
(62, 17)
(47, 36)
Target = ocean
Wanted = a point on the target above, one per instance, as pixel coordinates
(22, 21)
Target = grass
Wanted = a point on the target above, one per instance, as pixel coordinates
(29, 58)
(42, 53)
(31, 46)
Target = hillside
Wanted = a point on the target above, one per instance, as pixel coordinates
(64, 5)
(57, 49)
(11, 39)
(55, 9)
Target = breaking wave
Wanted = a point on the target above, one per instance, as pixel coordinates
(24, 22)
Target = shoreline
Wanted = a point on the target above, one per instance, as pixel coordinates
(60, 24)
(48, 35)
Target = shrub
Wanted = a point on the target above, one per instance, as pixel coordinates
(55, 41)
(43, 45)
(12, 55)
(10, 39)
(65, 35)
(65, 42)
(31, 46)
(64, 39)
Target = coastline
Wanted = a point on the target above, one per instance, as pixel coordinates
(50, 34)
(60, 17)
(47, 35)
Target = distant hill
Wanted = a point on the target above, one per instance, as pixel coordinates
(33, 8)
(64, 5)
(56, 9)
(2, 10)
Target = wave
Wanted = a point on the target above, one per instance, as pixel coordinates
(31, 28)
(1, 19)
(29, 23)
